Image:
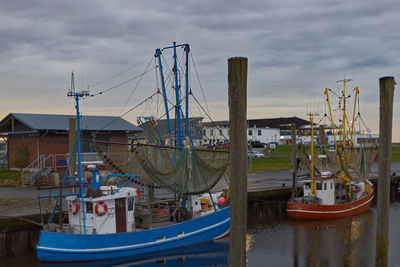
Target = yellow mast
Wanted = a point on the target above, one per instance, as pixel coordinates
(344, 123)
(343, 175)
(339, 162)
(354, 113)
(313, 187)
(333, 127)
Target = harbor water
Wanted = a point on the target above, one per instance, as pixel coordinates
(341, 242)
(275, 240)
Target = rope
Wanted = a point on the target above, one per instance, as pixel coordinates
(114, 120)
(216, 125)
(198, 78)
(136, 86)
(122, 83)
(116, 75)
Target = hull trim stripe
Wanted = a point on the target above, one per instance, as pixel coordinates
(332, 211)
(111, 249)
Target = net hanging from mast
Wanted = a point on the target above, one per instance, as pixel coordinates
(191, 173)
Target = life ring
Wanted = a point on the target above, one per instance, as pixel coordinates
(104, 211)
(73, 207)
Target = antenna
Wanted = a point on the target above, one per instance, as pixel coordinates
(72, 89)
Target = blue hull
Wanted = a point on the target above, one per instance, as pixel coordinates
(60, 247)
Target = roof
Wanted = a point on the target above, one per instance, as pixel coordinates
(277, 122)
(262, 123)
(219, 123)
(61, 122)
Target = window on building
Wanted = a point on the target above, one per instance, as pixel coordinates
(250, 132)
(220, 132)
(204, 132)
(259, 133)
(211, 132)
(324, 186)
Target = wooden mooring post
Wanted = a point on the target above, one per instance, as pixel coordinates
(237, 90)
(386, 85)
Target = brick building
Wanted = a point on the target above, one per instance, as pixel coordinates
(45, 137)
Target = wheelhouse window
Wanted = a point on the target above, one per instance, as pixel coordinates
(130, 203)
(89, 207)
(319, 186)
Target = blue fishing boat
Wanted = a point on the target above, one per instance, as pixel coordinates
(110, 221)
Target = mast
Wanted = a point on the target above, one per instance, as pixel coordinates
(77, 96)
(354, 113)
(313, 187)
(178, 135)
(187, 50)
(158, 55)
(344, 123)
(179, 115)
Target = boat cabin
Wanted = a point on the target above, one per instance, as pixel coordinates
(325, 188)
(329, 192)
(112, 212)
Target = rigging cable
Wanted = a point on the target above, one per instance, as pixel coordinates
(136, 86)
(116, 75)
(122, 83)
(198, 78)
(131, 109)
(208, 115)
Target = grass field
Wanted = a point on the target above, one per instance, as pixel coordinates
(395, 154)
(10, 178)
(283, 163)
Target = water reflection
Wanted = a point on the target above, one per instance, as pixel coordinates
(214, 253)
(276, 241)
(207, 254)
(340, 242)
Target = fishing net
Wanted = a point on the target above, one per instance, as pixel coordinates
(356, 163)
(182, 171)
(189, 175)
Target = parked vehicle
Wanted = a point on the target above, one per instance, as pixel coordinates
(227, 145)
(257, 144)
(255, 154)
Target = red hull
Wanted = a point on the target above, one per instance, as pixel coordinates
(302, 211)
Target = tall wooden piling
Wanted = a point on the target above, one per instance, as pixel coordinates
(386, 85)
(294, 161)
(237, 82)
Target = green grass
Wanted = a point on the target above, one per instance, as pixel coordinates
(10, 178)
(269, 164)
(395, 154)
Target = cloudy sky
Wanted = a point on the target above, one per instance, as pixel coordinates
(295, 49)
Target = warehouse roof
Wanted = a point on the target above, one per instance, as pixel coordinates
(15, 122)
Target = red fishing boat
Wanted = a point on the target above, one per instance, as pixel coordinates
(329, 203)
(338, 184)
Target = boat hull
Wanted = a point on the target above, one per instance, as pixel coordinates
(303, 211)
(60, 247)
